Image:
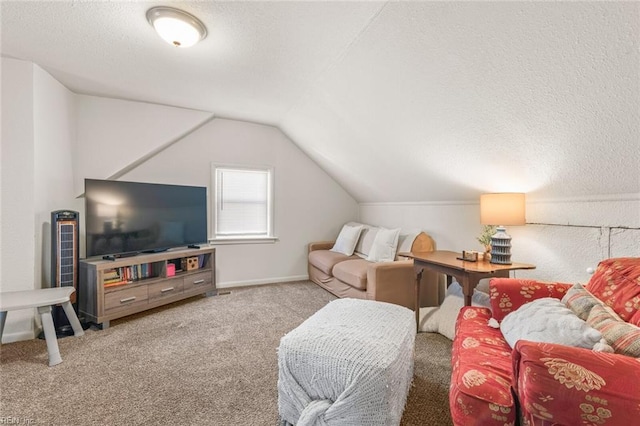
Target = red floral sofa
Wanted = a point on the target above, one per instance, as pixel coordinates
(550, 384)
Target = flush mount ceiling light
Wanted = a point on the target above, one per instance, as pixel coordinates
(176, 27)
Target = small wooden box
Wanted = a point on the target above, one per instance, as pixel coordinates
(190, 263)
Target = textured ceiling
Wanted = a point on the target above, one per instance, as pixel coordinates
(398, 101)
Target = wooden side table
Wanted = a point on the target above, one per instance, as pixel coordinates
(468, 274)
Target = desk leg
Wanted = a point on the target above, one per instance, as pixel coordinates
(50, 335)
(468, 291)
(468, 283)
(73, 319)
(417, 301)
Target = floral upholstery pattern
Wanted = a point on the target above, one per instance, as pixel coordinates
(480, 390)
(564, 385)
(543, 383)
(508, 294)
(616, 282)
(580, 301)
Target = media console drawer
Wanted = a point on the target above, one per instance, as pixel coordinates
(124, 298)
(165, 288)
(197, 281)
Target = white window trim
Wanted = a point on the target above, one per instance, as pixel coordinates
(270, 238)
(243, 240)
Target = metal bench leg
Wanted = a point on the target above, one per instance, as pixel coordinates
(73, 319)
(50, 335)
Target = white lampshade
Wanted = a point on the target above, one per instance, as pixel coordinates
(507, 208)
(176, 27)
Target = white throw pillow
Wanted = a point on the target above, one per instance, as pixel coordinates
(431, 317)
(405, 241)
(443, 319)
(548, 320)
(347, 239)
(449, 310)
(384, 246)
(365, 242)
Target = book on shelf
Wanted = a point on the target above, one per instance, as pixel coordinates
(110, 273)
(115, 283)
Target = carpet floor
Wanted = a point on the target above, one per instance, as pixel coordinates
(205, 360)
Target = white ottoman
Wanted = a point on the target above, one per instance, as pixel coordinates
(351, 363)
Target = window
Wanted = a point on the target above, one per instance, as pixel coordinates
(243, 202)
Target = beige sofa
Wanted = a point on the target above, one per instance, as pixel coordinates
(392, 282)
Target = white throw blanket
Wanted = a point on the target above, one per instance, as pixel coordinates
(351, 363)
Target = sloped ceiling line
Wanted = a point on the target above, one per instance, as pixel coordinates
(131, 166)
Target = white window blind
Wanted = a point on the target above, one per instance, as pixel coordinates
(243, 202)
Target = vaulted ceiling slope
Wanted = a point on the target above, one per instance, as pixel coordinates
(398, 101)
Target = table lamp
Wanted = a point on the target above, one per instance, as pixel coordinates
(506, 208)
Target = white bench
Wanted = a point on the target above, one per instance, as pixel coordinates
(43, 299)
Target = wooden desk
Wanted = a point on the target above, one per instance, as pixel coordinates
(468, 274)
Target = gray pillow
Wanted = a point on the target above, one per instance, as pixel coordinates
(580, 301)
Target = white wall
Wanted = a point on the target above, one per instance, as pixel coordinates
(114, 133)
(309, 205)
(18, 212)
(563, 237)
(54, 137)
(38, 131)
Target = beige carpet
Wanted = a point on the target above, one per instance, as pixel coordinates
(206, 361)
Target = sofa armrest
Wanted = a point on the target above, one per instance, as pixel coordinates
(321, 245)
(508, 294)
(394, 282)
(558, 384)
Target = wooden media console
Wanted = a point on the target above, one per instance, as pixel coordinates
(111, 289)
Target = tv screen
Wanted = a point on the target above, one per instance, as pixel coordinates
(129, 217)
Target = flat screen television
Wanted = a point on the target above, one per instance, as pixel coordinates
(124, 218)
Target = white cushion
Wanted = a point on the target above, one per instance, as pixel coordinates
(384, 246)
(548, 320)
(347, 239)
(449, 310)
(443, 319)
(405, 241)
(365, 242)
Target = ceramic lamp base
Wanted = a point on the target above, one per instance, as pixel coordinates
(501, 247)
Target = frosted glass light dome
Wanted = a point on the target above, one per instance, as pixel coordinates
(175, 26)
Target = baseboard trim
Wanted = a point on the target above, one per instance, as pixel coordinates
(248, 283)
(417, 203)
